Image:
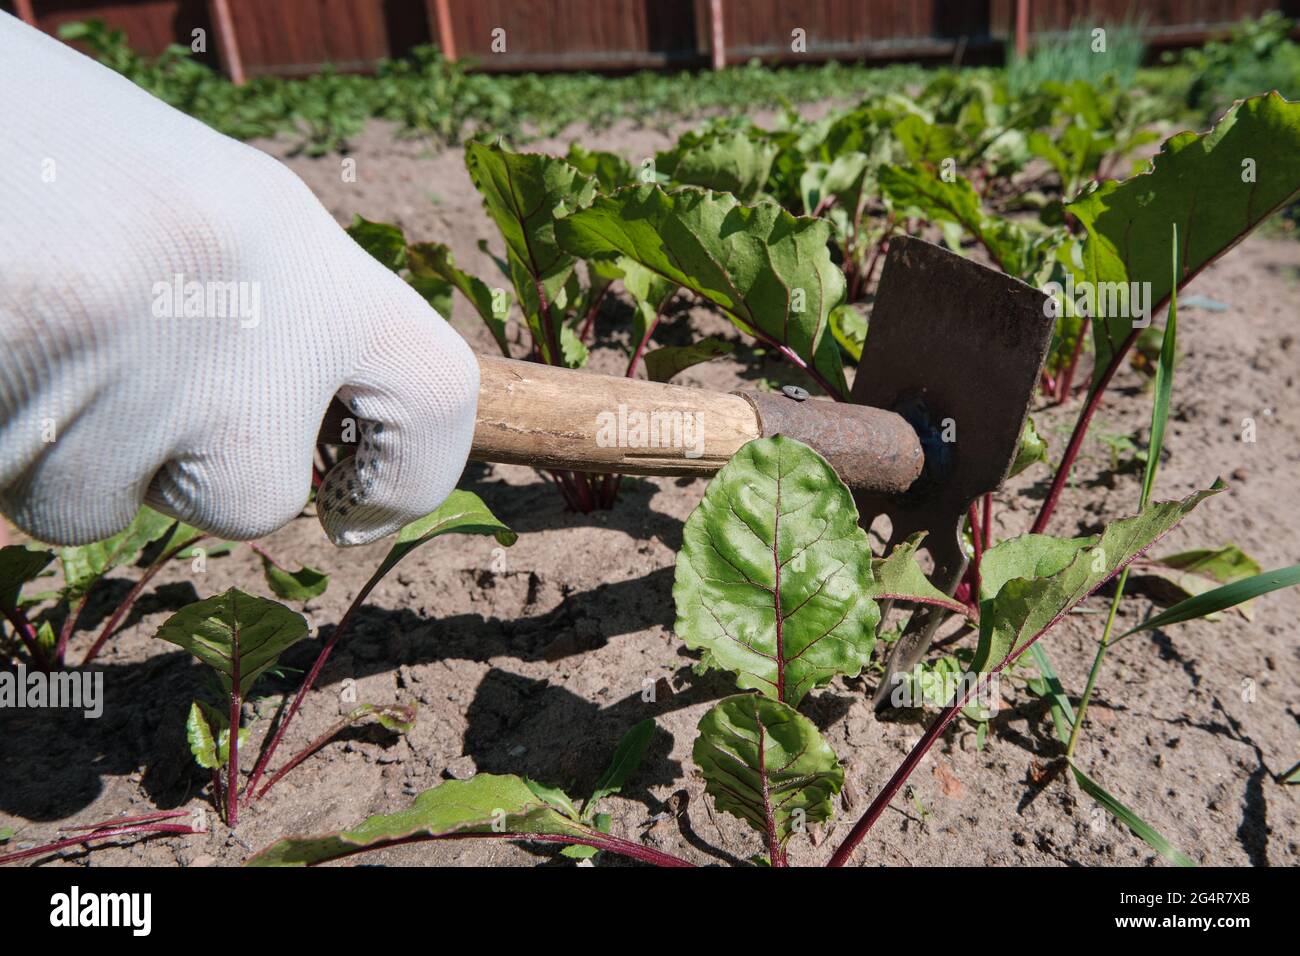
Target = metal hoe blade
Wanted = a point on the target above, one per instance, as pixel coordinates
(957, 349)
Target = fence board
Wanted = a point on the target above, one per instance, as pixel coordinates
(300, 36)
(845, 29)
(569, 34)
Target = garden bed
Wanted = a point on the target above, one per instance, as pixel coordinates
(536, 660)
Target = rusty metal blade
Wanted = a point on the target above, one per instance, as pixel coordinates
(957, 349)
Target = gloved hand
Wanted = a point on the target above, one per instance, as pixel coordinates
(115, 389)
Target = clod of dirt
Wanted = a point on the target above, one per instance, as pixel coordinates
(949, 785)
(461, 768)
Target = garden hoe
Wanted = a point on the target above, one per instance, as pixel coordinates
(950, 364)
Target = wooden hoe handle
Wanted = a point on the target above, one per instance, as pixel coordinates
(547, 417)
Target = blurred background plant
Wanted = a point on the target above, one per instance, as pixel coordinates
(1257, 54)
(1070, 55)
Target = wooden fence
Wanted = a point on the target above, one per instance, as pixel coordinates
(288, 37)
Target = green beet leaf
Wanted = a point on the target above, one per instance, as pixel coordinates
(18, 565)
(1031, 450)
(301, 585)
(198, 731)
(732, 162)
(486, 803)
(841, 180)
(1215, 186)
(664, 363)
(928, 143)
(232, 629)
(771, 273)
(766, 764)
(1063, 573)
(773, 575)
(849, 327)
(1189, 573)
(435, 260)
(918, 192)
(608, 169)
(462, 513)
(898, 577)
(207, 731)
(573, 351)
(650, 295)
(1026, 556)
(526, 194)
(399, 718)
(382, 240)
(87, 563)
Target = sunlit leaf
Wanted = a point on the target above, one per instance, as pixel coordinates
(627, 757)
(435, 259)
(207, 730)
(382, 240)
(486, 804)
(1221, 598)
(608, 169)
(235, 630)
(773, 572)
(301, 585)
(86, 564)
(769, 272)
(1024, 607)
(1032, 449)
(1195, 571)
(731, 162)
(849, 327)
(1048, 686)
(1246, 164)
(1143, 830)
(525, 194)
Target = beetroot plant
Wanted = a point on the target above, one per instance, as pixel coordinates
(240, 637)
(558, 295)
(776, 583)
(462, 513)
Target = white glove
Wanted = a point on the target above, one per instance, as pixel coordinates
(110, 394)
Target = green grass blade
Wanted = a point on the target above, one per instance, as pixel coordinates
(1057, 699)
(1147, 833)
(1230, 595)
(1159, 417)
(1063, 716)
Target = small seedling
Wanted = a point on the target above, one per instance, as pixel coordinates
(239, 636)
